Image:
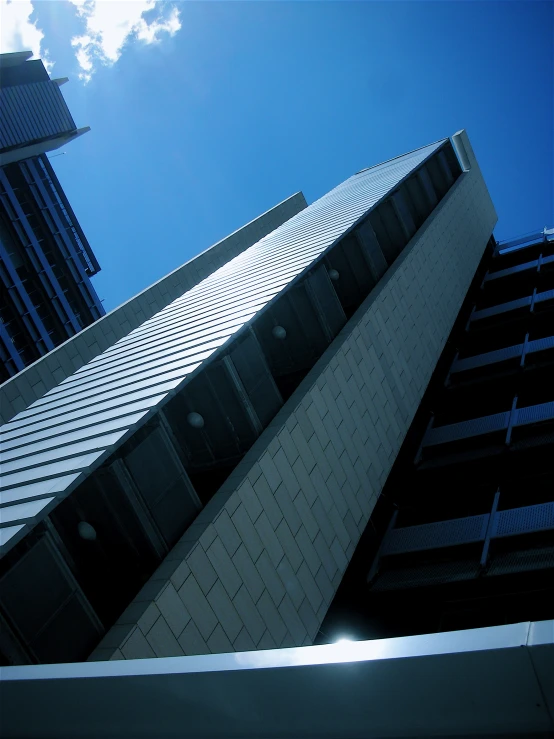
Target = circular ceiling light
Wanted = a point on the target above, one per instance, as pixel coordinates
(334, 274)
(86, 531)
(279, 332)
(195, 420)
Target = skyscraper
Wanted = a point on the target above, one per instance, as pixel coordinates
(225, 455)
(45, 260)
(279, 444)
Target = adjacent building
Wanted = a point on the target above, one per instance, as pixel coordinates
(45, 259)
(463, 534)
(333, 424)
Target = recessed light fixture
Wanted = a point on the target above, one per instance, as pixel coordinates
(86, 531)
(279, 332)
(195, 420)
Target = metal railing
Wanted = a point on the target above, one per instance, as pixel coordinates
(469, 530)
(490, 424)
(516, 351)
(525, 240)
(535, 264)
(512, 305)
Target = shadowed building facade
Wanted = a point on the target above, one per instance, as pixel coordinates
(45, 259)
(463, 534)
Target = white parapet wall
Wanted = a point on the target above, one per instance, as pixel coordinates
(491, 682)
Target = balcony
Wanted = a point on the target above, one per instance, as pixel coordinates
(469, 530)
(534, 265)
(527, 240)
(543, 299)
(501, 542)
(532, 356)
(517, 281)
(532, 425)
(505, 323)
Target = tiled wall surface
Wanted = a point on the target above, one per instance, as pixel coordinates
(31, 384)
(261, 564)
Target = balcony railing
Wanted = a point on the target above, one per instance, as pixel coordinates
(436, 535)
(534, 264)
(490, 424)
(528, 239)
(512, 305)
(469, 530)
(516, 351)
(466, 429)
(480, 530)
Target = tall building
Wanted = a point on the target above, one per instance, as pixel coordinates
(280, 444)
(45, 259)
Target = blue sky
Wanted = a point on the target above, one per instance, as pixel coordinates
(237, 105)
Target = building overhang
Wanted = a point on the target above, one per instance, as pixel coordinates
(36, 148)
(14, 58)
(495, 681)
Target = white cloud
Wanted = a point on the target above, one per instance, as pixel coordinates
(110, 24)
(19, 33)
